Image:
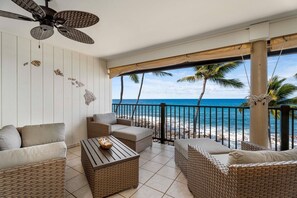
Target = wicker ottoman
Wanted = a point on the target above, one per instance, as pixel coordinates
(181, 150)
(137, 138)
(109, 171)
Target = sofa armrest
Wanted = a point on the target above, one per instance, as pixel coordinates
(124, 122)
(33, 154)
(277, 179)
(248, 146)
(96, 129)
(205, 173)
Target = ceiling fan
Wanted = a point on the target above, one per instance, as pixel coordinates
(65, 21)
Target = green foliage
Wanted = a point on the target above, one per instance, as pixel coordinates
(215, 73)
(280, 92)
(134, 78)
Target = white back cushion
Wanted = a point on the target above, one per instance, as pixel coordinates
(43, 134)
(106, 118)
(248, 157)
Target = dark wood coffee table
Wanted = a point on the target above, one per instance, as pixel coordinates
(109, 171)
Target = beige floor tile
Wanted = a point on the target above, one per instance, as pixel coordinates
(142, 161)
(166, 153)
(152, 166)
(159, 183)
(154, 150)
(79, 168)
(160, 159)
(169, 172)
(178, 190)
(166, 196)
(70, 196)
(147, 192)
(74, 149)
(70, 173)
(130, 192)
(78, 153)
(169, 148)
(66, 193)
(84, 192)
(115, 196)
(171, 163)
(76, 183)
(73, 162)
(182, 178)
(71, 156)
(144, 175)
(147, 155)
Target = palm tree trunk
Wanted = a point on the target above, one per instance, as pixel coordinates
(122, 92)
(198, 107)
(139, 93)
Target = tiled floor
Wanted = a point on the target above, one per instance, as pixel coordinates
(158, 176)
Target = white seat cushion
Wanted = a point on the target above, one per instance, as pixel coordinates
(207, 144)
(33, 154)
(132, 133)
(115, 127)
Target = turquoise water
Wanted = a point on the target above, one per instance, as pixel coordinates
(204, 102)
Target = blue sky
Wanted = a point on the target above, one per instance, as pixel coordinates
(167, 87)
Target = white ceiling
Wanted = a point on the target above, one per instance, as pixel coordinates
(131, 25)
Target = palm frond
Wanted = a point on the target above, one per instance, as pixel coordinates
(224, 68)
(295, 75)
(228, 82)
(286, 90)
(190, 79)
(134, 78)
(161, 73)
(290, 101)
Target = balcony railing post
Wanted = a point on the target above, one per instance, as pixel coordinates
(284, 124)
(163, 106)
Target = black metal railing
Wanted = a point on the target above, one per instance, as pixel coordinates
(226, 124)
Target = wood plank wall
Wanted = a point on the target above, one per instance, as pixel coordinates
(35, 95)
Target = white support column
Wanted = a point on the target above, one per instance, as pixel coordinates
(259, 112)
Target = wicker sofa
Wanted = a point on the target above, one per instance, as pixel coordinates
(136, 138)
(37, 169)
(210, 177)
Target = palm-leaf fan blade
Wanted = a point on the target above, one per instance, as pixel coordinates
(76, 19)
(14, 16)
(75, 35)
(31, 7)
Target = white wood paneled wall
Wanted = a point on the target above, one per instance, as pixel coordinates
(35, 95)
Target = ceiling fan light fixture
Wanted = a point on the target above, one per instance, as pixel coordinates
(65, 21)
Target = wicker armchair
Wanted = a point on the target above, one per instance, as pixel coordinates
(96, 129)
(208, 177)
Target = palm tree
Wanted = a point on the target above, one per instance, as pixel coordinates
(156, 73)
(215, 73)
(279, 93)
(135, 79)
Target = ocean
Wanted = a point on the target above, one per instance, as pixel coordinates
(204, 102)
